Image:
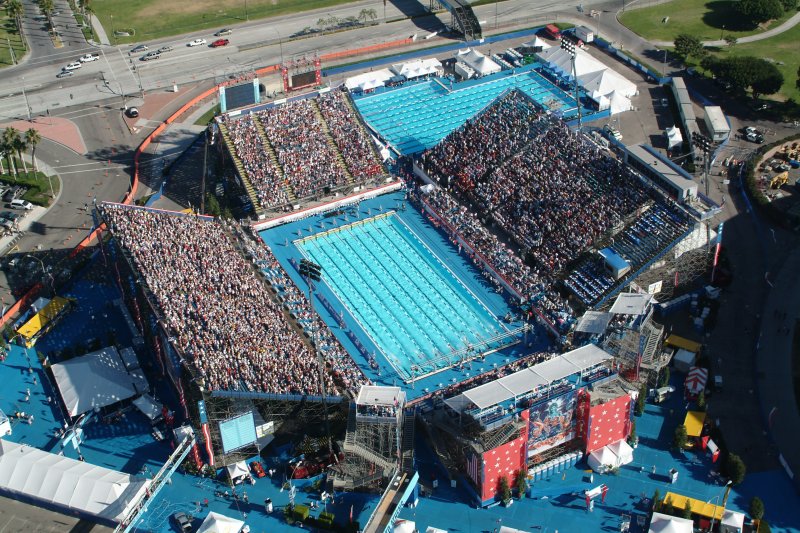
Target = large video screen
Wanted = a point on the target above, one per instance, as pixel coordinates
(552, 422)
(307, 78)
(241, 95)
(237, 432)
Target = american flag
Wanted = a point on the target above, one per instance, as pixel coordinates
(474, 467)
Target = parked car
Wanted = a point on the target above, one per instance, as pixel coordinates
(165, 48)
(183, 521)
(140, 48)
(753, 135)
(196, 42)
(223, 31)
(8, 215)
(20, 204)
(64, 74)
(73, 66)
(7, 224)
(88, 58)
(150, 55)
(220, 42)
(613, 132)
(132, 112)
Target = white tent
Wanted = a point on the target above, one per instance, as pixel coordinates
(478, 62)
(404, 526)
(369, 80)
(610, 457)
(619, 103)
(537, 43)
(238, 470)
(5, 425)
(674, 136)
(68, 484)
(219, 523)
(684, 360)
(607, 81)
(417, 68)
(661, 523)
(93, 381)
(559, 60)
(732, 522)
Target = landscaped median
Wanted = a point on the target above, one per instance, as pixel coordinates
(37, 184)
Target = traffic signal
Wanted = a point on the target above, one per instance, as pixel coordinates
(310, 270)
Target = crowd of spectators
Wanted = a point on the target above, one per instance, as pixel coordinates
(491, 254)
(349, 136)
(298, 137)
(549, 189)
(267, 180)
(219, 312)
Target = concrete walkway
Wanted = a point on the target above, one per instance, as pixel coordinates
(772, 32)
(100, 31)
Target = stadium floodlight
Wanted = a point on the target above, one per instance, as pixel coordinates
(704, 144)
(569, 43)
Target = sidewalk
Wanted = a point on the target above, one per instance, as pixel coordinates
(100, 31)
(777, 30)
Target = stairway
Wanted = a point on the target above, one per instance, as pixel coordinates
(248, 187)
(273, 157)
(369, 455)
(350, 436)
(407, 442)
(652, 348)
(331, 142)
(464, 18)
(502, 435)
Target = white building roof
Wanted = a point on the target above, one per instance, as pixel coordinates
(528, 379)
(631, 303)
(92, 381)
(68, 483)
(661, 523)
(369, 80)
(375, 395)
(417, 68)
(594, 322)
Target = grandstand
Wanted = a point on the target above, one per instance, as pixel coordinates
(299, 150)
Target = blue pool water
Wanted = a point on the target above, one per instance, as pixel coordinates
(417, 116)
(412, 306)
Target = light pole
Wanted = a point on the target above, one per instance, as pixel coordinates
(113, 33)
(24, 95)
(724, 501)
(722, 33)
(569, 45)
(45, 273)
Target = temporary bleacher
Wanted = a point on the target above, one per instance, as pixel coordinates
(464, 19)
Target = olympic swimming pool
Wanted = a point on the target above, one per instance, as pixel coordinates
(416, 311)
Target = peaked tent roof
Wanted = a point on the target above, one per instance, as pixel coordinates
(479, 62)
(661, 523)
(72, 485)
(537, 42)
(219, 523)
(92, 381)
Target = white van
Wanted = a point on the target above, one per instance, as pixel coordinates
(20, 204)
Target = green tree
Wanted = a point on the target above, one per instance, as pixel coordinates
(632, 435)
(735, 468)
(9, 136)
(756, 508)
(663, 377)
(19, 147)
(32, 138)
(687, 510)
(679, 438)
(638, 409)
(657, 501)
(16, 11)
(667, 507)
(688, 45)
(521, 482)
(701, 401)
(504, 489)
(758, 11)
(767, 79)
(789, 5)
(212, 205)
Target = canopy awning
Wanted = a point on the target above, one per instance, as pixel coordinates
(694, 423)
(219, 523)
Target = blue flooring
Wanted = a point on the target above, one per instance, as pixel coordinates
(417, 116)
(280, 240)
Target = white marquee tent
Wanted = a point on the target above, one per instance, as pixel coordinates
(219, 523)
(68, 484)
(238, 470)
(674, 136)
(417, 68)
(93, 381)
(369, 80)
(478, 62)
(661, 523)
(537, 43)
(609, 457)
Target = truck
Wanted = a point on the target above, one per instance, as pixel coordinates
(584, 34)
(552, 31)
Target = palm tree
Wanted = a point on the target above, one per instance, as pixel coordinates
(2, 153)
(20, 146)
(32, 138)
(16, 11)
(9, 134)
(47, 7)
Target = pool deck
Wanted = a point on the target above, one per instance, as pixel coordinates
(280, 240)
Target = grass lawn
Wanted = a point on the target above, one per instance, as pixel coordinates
(700, 18)
(781, 48)
(152, 19)
(8, 31)
(206, 117)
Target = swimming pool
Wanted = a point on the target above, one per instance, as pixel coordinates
(419, 115)
(415, 310)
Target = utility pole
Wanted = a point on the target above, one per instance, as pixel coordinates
(11, 50)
